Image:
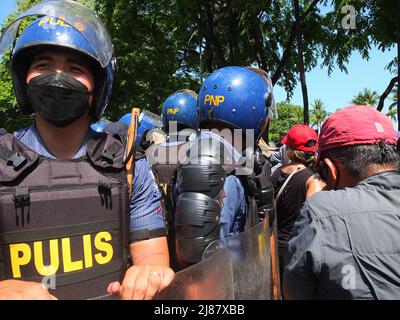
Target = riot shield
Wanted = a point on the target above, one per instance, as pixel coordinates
(237, 268)
(210, 279)
(251, 262)
(276, 280)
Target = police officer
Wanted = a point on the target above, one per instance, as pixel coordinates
(180, 121)
(179, 111)
(64, 194)
(225, 186)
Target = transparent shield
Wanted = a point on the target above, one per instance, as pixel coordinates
(77, 15)
(210, 279)
(251, 261)
(276, 280)
(152, 118)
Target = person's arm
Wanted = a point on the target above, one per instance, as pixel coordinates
(303, 260)
(234, 196)
(24, 290)
(150, 272)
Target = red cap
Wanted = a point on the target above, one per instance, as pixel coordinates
(301, 137)
(356, 125)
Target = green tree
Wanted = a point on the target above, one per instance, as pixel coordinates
(382, 30)
(392, 111)
(150, 39)
(366, 97)
(289, 115)
(318, 114)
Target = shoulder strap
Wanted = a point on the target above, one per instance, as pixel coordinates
(16, 159)
(286, 182)
(105, 151)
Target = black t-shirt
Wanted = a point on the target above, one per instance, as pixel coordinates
(289, 203)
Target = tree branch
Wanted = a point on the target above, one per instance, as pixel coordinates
(257, 37)
(386, 93)
(300, 59)
(209, 28)
(287, 53)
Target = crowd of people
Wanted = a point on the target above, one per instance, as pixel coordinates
(331, 199)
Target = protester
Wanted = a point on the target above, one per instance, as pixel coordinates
(179, 120)
(344, 244)
(294, 182)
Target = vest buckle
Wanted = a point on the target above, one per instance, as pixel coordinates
(16, 160)
(21, 200)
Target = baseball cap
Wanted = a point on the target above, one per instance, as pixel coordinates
(301, 137)
(356, 125)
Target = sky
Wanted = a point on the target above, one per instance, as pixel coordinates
(336, 90)
(6, 7)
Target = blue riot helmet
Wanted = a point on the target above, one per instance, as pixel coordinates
(236, 97)
(147, 121)
(126, 118)
(100, 125)
(66, 25)
(180, 107)
(272, 108)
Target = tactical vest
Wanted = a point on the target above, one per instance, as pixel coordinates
(64, 222)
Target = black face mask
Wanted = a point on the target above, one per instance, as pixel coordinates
(58, 97)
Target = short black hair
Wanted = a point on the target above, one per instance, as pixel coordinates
(357, 159)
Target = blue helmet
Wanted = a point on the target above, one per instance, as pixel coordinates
(100, 125)
(147, 122)
(237, 97)
(73, 27)
(180, 107)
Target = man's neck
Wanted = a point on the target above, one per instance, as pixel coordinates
(63, 142)
(350, 181)
(375, 169)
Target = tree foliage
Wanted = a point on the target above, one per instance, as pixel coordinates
(367, 97)
(318, 114)
(289, 115)
(150, 39)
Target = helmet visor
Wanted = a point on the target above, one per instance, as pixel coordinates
(151, 118)
(77, 15)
